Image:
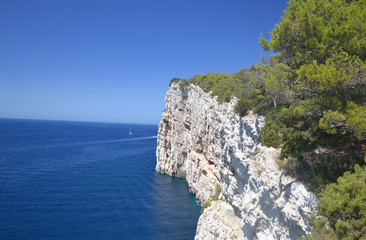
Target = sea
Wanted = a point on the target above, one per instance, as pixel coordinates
(84, 180)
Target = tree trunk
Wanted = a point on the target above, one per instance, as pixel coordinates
(274, 102)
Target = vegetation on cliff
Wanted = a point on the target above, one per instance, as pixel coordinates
(342, 208)
(213, 197)
(313, 93)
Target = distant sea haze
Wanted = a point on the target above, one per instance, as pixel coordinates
(82, 180)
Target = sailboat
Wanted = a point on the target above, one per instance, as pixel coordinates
(130, 132)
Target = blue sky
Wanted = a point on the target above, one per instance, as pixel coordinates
(112, 60)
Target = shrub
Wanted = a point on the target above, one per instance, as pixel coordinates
(242, 107)
(297, 145)
(217, 189)
(206, 205)
(213, 197)
(174, 80)
(343, 208)
(270, 134)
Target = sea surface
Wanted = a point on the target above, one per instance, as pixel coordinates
(81, 180)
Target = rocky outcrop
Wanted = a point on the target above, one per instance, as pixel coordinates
(208, 144)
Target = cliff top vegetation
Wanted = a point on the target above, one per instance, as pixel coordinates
(312, 91)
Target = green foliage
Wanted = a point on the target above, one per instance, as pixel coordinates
(270, 134)
(324, 43)
(318, 169)
(204, 172)
(336, 92)
(276, 79)
(322, 46)
(174, 80)
(250, 98)
(321, 230)
(343, 208)
(318, 29)
(259, 88)
(265, 85)
(313, 92)
(281, 125)
(243, 106)
(328, 117)
(223, 85)
(298, 136)
(184, 83)
(356, 119)
(213, 197)
(205, 205)
(297, 145)
(217, 190)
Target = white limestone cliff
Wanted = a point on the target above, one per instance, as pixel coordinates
(208, 144)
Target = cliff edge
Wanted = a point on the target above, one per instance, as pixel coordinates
(209, 145)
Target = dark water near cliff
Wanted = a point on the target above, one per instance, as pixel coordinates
(75, 180)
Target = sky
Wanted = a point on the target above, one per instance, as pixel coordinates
(112, 60)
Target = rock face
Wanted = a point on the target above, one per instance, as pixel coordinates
(208, 144)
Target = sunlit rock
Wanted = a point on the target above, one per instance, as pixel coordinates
(208, 144)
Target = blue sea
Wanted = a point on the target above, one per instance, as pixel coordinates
(81, 180)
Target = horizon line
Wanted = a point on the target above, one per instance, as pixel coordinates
(64, 120)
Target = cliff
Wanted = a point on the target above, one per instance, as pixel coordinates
(208, 144)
